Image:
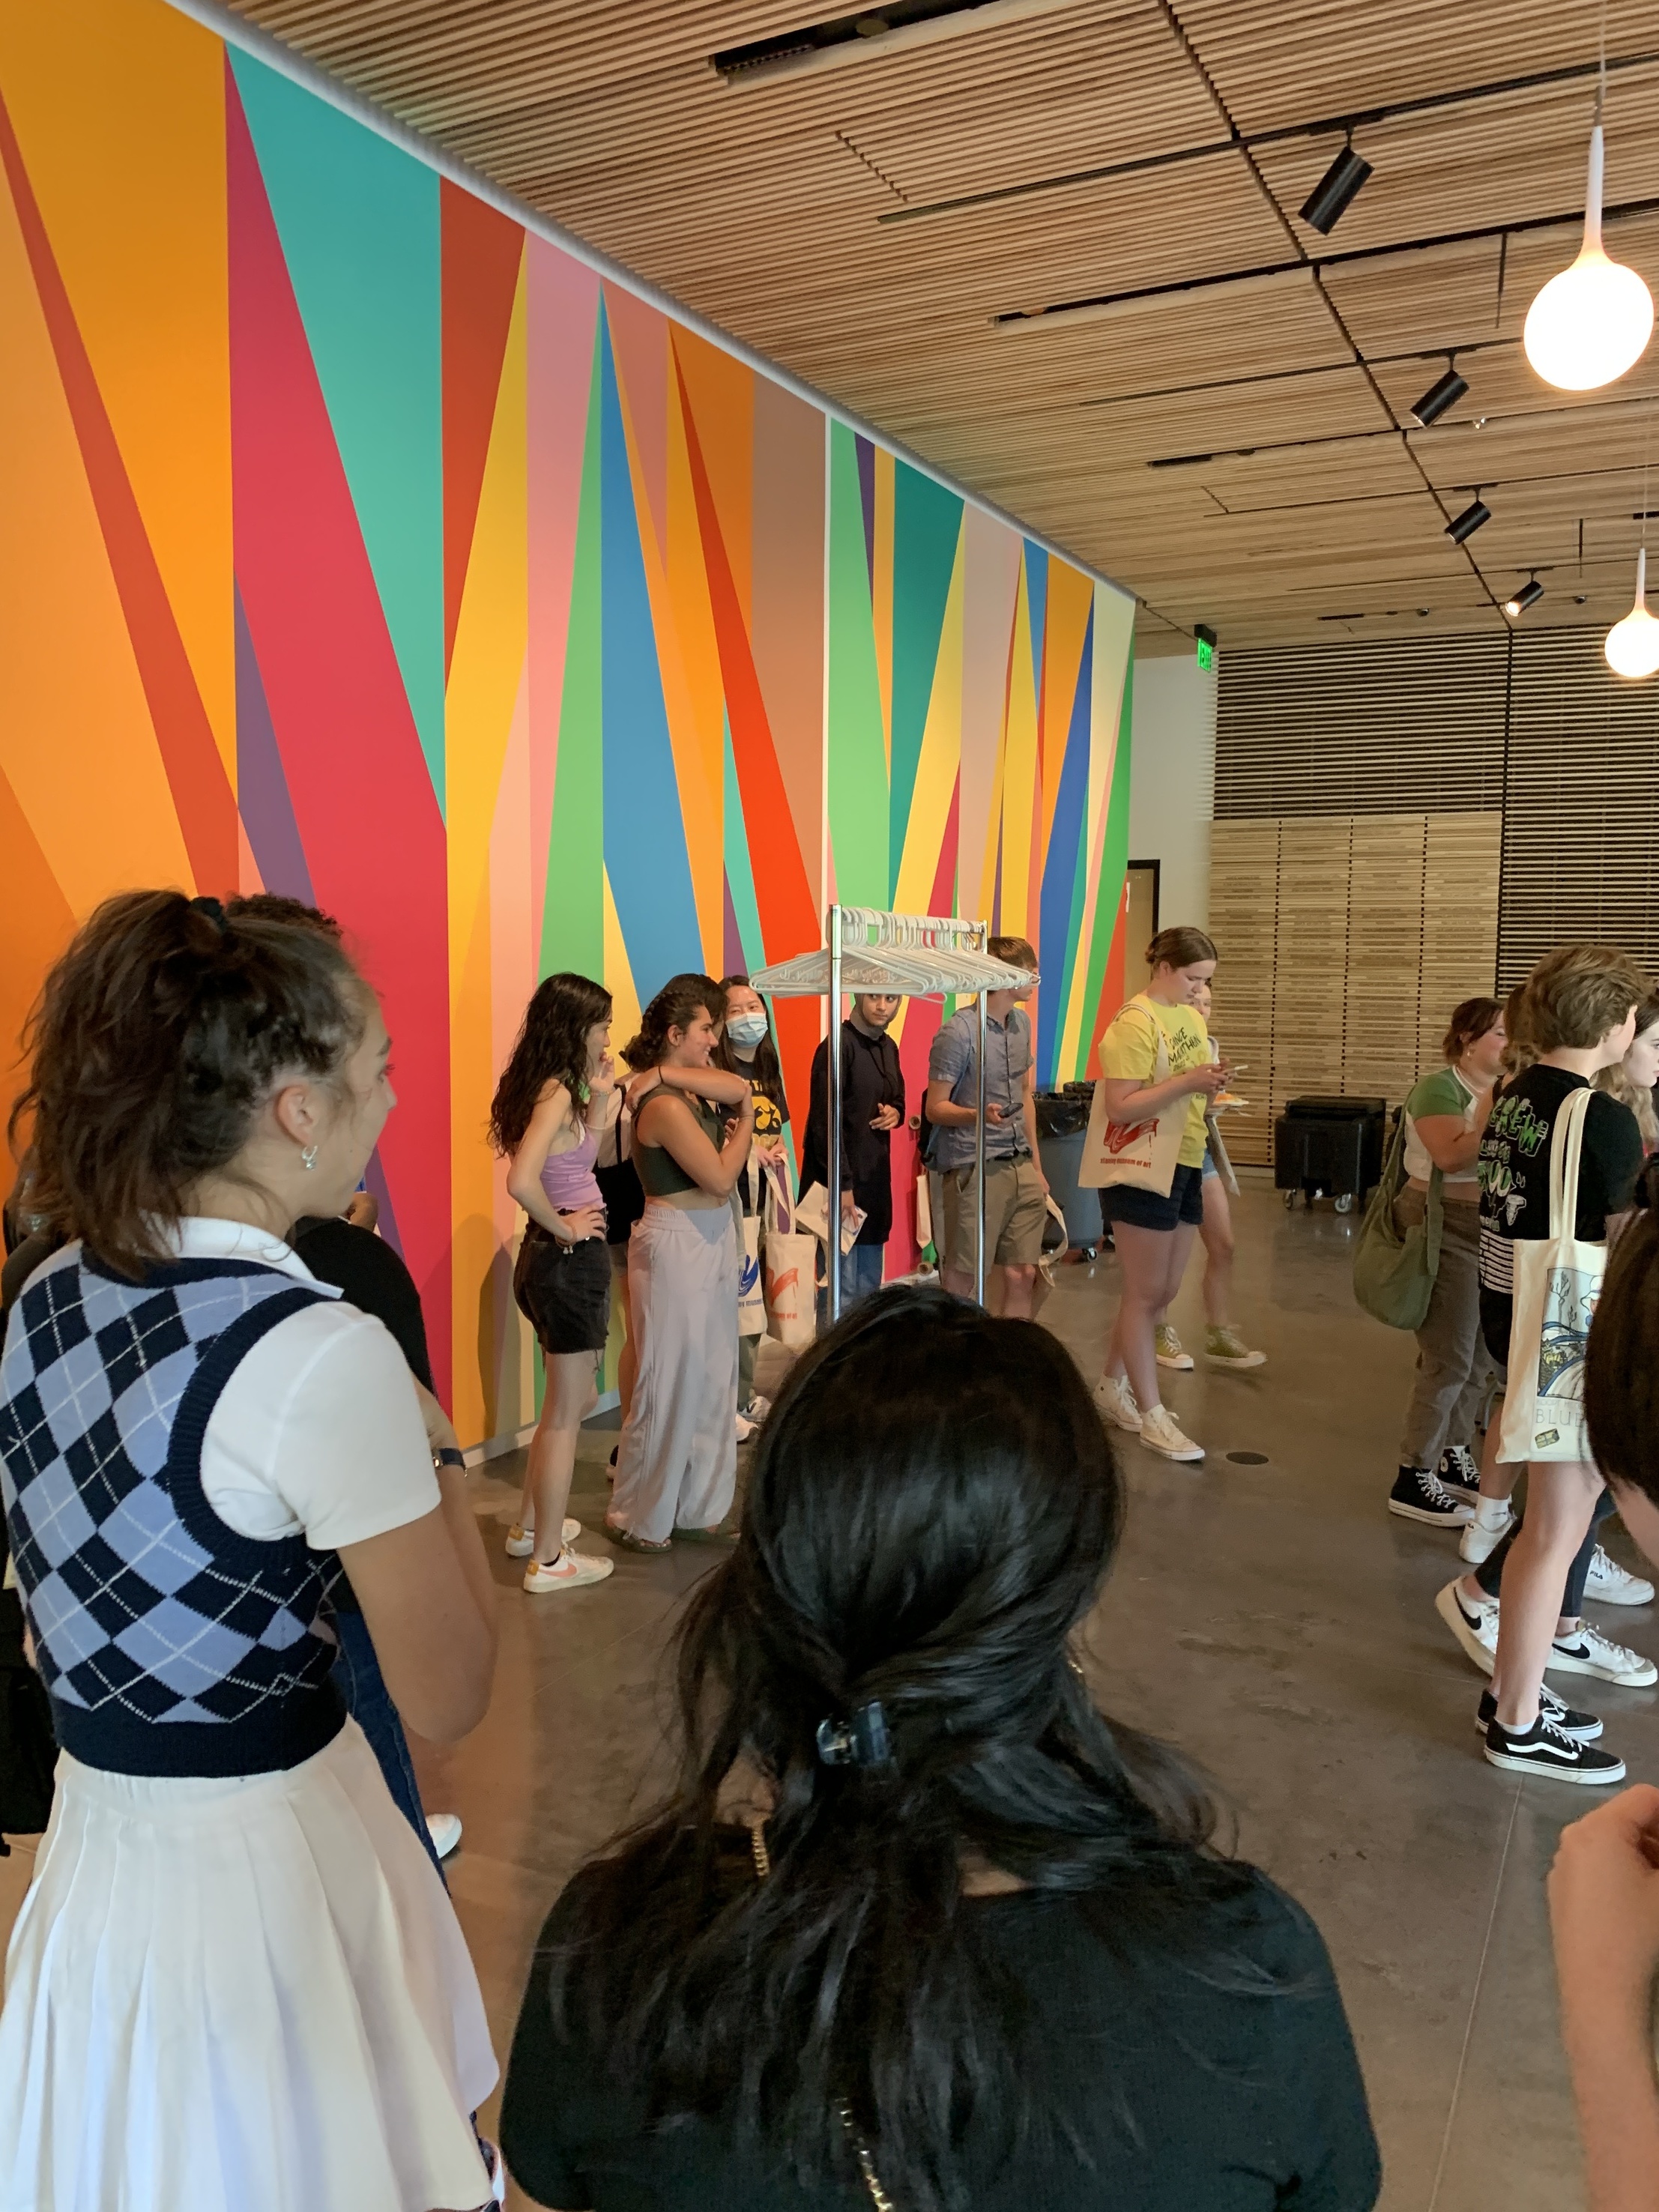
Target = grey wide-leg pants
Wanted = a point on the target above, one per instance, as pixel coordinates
(1454, 1368)
(677, 1465)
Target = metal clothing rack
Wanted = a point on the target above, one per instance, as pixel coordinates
(919, 955)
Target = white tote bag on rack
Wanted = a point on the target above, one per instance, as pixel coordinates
(1557, 1282)
(1143, 1154)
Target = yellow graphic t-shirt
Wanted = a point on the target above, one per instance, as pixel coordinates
(1129, 1049)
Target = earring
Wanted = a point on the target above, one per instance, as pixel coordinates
(308, 1156)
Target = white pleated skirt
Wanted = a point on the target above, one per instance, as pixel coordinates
(245, 1995)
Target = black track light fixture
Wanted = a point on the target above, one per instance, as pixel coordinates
(1440, 395)
(1324, 207)
(1465, 525)
(1529, 596)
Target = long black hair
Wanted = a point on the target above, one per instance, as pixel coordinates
(932, 1513)
(1621, 1369)
(765, 1069)
(551, 1046)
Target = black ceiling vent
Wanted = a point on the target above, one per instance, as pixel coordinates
(762, 55)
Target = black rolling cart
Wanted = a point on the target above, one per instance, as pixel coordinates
(1328, 1148)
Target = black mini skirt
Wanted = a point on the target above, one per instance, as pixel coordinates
(563, 1291)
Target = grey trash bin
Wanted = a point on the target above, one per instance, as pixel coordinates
(1063, 1124)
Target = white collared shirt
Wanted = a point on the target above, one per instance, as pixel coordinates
(319, 1428)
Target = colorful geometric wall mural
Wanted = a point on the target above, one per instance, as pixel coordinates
(357, 543)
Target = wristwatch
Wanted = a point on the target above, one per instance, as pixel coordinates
(447, 1455)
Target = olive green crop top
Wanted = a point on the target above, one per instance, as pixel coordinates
(660, 1174)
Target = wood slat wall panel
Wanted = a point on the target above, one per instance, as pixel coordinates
(1580, 799)
(1365, 727)
(1244, 921)
(1460, 919)
(1345, 940)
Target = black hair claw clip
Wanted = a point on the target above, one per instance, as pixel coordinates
(863, 1740)
(214, 911)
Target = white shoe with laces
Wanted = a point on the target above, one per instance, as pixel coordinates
(1587, 1651)
(571, 1571)
(521, 1541)
(1159, 1433)
(1117, 1402)
(1608, 1583)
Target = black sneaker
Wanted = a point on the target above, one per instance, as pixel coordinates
(1458, 1469)
(1420, 1496)
(1543, 1749)
(1582, 1728)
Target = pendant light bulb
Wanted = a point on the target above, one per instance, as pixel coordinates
(1592, 322)
(1632, 646)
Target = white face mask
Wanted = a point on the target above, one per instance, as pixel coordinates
(746, 1028)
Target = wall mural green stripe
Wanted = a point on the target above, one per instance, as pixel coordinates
(573, 913)
(858, 754)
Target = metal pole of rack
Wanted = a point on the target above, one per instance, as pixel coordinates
(979, 1134)
(832, 1100)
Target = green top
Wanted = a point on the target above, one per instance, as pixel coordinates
(660, 1174)
(1442, 1092)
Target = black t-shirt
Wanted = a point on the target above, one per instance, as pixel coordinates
(1188, 2088)
(1515, 1168)
(375, 1280)
(871, 1078)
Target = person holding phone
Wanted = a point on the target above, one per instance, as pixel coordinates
(557, 1093)
(1154, 1234)
(1016, 1189)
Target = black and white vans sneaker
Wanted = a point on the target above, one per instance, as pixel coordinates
(1544, 1749)
(1459, 1470)
(1582, 1728)
(1420, 1496)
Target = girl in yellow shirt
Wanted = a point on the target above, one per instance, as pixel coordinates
(1154, 1234)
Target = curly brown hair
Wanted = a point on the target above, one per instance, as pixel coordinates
(157, 1037)
(674, 1007)
(551, 1046)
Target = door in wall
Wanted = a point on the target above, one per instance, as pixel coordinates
(1140, 898)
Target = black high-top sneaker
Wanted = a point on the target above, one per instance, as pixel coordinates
(1459, 1469)
(1420, 1496)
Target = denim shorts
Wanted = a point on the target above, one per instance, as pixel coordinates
(1145, 1209)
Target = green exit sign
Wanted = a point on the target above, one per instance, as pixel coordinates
(1206, 646)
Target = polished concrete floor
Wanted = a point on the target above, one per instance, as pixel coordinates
(1271, 1618)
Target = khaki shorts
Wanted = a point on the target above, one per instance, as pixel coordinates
(1015, 1211)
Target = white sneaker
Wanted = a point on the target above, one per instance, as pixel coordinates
(444, 1830)
(571, 1571)
(1159, 1433)
(1478, 1543)
(1475, 1626)
(1608, 1583)
(745, 1428)
(521, 1541)
(1587, 1651)
(1170, 1350)
(1117, 1402)
(758, 1408)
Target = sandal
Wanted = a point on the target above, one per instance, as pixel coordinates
(629, 1543)
(705, 1536)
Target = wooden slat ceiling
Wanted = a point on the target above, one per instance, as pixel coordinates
(942, 236)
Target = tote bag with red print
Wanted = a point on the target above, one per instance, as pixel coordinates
(1143, 1154)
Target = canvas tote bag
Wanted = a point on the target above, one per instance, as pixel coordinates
(1557, 1282)
(1394, 1272)
(1143, 1154)
(789, 1266)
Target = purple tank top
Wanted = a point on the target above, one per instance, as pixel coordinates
(568, 1178)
